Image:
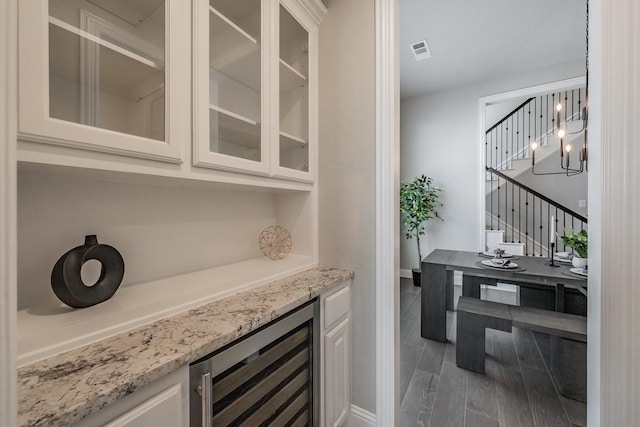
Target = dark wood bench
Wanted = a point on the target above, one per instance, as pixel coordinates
(568, 339)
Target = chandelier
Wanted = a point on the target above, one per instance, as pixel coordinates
(566, 166)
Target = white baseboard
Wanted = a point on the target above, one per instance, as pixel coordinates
(406, 273)
(361, 417)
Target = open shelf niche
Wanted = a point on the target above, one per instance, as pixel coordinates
(183, 245)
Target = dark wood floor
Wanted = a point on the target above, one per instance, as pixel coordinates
(517, 390)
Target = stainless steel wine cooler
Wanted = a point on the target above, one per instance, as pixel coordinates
(266, 379)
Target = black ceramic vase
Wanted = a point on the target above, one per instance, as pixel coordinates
(66, 279)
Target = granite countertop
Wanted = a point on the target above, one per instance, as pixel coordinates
(63, 389)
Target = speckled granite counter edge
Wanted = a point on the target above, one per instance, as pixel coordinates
(65, 388)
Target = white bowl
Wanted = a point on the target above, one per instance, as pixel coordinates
(578, 262)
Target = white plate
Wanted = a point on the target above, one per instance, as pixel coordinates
(562, 255)
(492, 263)
(579, 271)
(564, 260)
(492, 254)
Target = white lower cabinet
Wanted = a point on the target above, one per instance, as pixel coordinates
(337, 374)
(336, 356)
(161, 403)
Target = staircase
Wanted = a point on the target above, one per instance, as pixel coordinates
(517, 215)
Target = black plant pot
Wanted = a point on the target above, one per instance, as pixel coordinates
(416, 277)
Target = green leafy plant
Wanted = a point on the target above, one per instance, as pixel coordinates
(577, 241)
(418, 204)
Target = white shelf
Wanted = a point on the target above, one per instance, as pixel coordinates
(232, 114)
(88, 36)
(291, 141)
(123, 73)
(236, 130)
(51, 327)
(233, 25)
(290, 78)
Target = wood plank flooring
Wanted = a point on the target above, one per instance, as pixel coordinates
(517, 390)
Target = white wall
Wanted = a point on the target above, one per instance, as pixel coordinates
(439, 137)
(347, 172)
(495, 112)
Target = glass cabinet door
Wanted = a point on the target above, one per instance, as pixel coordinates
(107, 70)
(230, 85)
(293, 152)
(95, 75)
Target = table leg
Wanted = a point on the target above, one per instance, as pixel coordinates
(560, 298)
(471, 286)
(434, 302)
(450, 301)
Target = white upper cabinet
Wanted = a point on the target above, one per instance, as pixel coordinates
(255, 97)
(105, 75)
(222, 85)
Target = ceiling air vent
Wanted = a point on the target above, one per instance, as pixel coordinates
(421, 50)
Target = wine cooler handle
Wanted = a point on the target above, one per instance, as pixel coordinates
(205, 384)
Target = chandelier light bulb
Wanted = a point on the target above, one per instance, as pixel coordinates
(561, 133)
(568, 148)
(534, 145)
(558, 107)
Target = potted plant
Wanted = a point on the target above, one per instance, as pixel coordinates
(418, 204)
(579, 243)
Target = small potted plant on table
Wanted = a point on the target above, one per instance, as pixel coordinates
(418, 204)
(579, 243)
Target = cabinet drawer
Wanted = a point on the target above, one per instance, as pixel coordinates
(164, 408)
(336, 306)
(164, 402)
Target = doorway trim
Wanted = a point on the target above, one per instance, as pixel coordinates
(387, 65)
(8, 183)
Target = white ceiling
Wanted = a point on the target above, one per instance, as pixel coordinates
(475, 40)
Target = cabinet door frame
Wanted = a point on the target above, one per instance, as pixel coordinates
(35, 123)
(202, 155)
(295, 8)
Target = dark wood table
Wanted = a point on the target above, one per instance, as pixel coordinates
(437, 276)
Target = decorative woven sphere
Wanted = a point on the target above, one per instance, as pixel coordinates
(275, 242)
